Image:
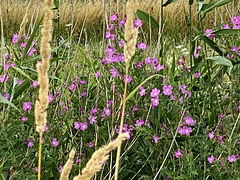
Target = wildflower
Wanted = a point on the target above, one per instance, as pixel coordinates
(172, 97)
(127, 79)
(23, 45)
(189, 121)
(83, 125)
(122, 23)
(6, 67)
(110, 26)
(211, 135)
(135, 108)
(94, 111)
(54, 142)
(107, 111)
(24, 119)
(139, 122)
(83, 93)
(178, 153)
(19, 82)
(185, 130)
(110, 50)
(7, 56)
(15, 38)
(198, 48)
(147, 123)
(142, 92)
(167, 90)
(197, 75)
(82, 82)
(232, 158)
(90, 144)
(208, 33)
(221, 115)
(155, 138)
(27, 106)
(137, 23)
(180, 99)
(226, 26)
(34, 84)
(234, 49)
(108, 35)
(154, 92)
(7, 96)
(114, 72)
(78, 160)
(92, 119)
(154, 62)
(211, 158)
(236, 20)
(148, 60)
(154, 102)
(139, 64)
(114, 17)
(32, 51)
(141, 46)
(195, 54)
(121, 43)
(36, 169)
(3, 78)
(159, 67)
(60, 169)
(76, 125)
(30, 143)
(97, 74)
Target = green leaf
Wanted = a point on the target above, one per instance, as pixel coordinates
(56, 3)
(136, 89)
(22, 72)
(173, 65)
(183, 176)
(145, 17)
(222, 61)
(5, 101)
(168, 2)
(215, 5)
(212, 44)
(227, 31)
(29, 43)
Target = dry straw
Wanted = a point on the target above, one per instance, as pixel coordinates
(67, 167)
(25, 19)
(42, 69)
(129, 50)
(98, 158)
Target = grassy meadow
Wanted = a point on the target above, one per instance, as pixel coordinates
(123, 90)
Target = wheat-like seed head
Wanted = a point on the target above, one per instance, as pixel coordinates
(67, 167)
(98, 158)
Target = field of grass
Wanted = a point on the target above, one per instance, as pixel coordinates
(123, 90)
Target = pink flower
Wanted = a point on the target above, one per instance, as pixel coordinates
(27, 106)
(211, 158)
(30, 143)
(23, 45)
(211, 135)
(127, 79)
(155, 138)
(90, 144)
(50, 98)
(232, 158)
(139, 122)
(141, 46)
(107, 111)
(54, 142)
(226, 26)
(154, 102)
(92, 119)
(24, 119)
(189, 121)
(114, 17)
(155, 92)
(197, 75)
(114, 72)
(148, 60)
(15, 38)
(76, 125)
(83, 125)
(137, 23)
(7, 96)
(178, 153)
(167, 90)
(236, 20)
(97, 74)
(60, 169)
(72, 87)
(208, 33)
(34, 84)
(3, 78)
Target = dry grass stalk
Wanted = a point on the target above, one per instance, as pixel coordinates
(67, 167)
(42, 69)
(25, 19)
(98, 157)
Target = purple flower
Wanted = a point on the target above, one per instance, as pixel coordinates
(135, 108)
(197, 75)
(50, 98)
(114, 72)
(198, 48)
(7, 56)
(15, 38)
(232, 158)
(54, 142)
(114, 17)
(110, 50)
(76, 125)
(24, 119)
(154, 93)
(208, 33)
(185, 130)
(167, 90)
(154, 102)
(234, 49)
(107, 111)
(148, 60)
(78, 160)
(34, 84)
(83, 125)
(159, 67)
(122, 23)
(92, 119)
(226, 26)
(127, 79)
(142, 92)
(195, 54)
(139, 122)
(141, 46)
(72, 87)
(137, 23)
(82, 82)
(19, 82)
(211, 158)
(27, 106)
(121, 43)
(178, 153)
(97, 74)
(189, 121)
(60, 169)
(7, 96)
(236, 20)
(90, 144)
(30, 143)
(211, 135)
(110, 26)
(3, 78)
(155, 138)
(108, 35)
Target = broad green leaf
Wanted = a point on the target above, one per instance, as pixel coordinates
(212, 44)
(5, 101)
(222, 61)
(227, 31)
(136, 89)
(168, 2)
(22, 72)
(215, 5)
(145, 17)
(183, 176)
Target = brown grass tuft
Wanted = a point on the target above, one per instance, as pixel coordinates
(99, 157)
